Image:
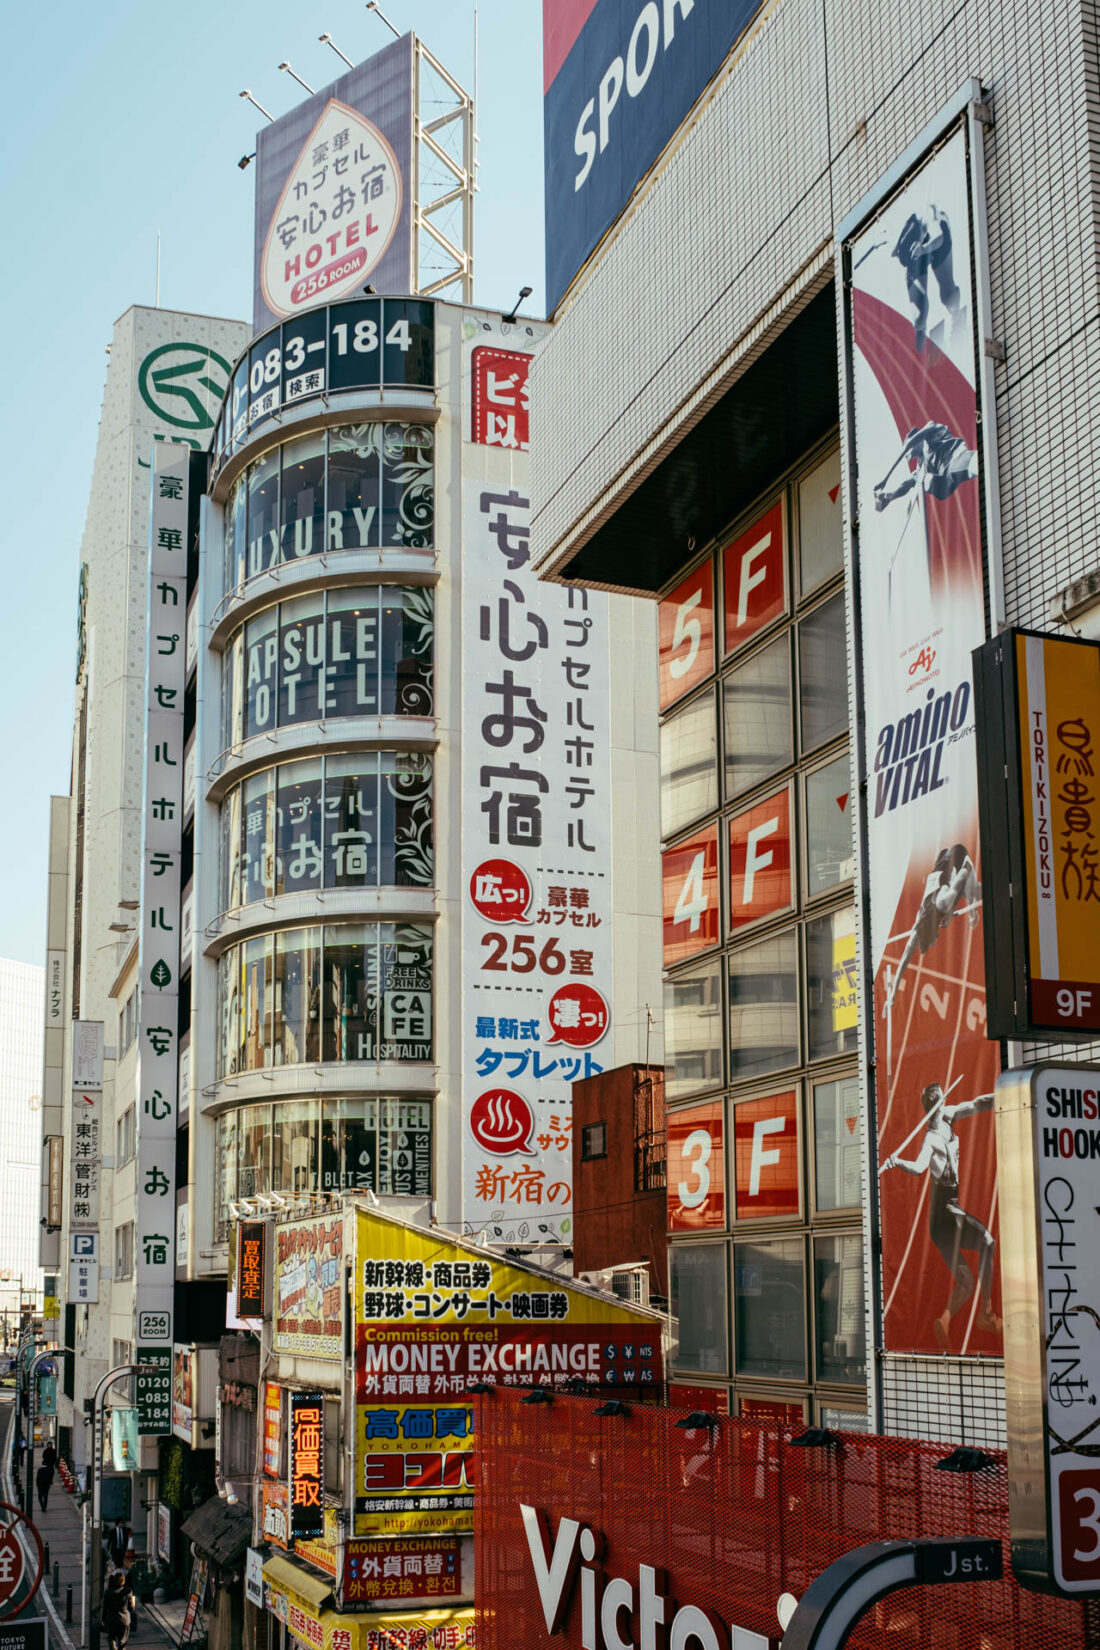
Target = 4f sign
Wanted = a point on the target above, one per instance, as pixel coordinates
(337, 214)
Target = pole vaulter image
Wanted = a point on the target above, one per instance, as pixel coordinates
(951, 888)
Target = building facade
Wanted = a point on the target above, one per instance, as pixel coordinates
(800, 307)
(22, 992)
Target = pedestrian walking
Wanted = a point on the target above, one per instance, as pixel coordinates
(49, 1457)
(43, 1479)
(118, 1609)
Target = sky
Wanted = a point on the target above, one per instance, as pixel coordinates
(118, 121)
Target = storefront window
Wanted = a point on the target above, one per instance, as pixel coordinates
(829, 853)
(225, 1158)
(698, 1288)
(263, 513)
(236, 533)
(769, 1307)
(837, 1144)
(832, 984)
(693, 1031)
(254, 1163)
(838, 1283)
(756, 704)
(408, 484)
(294, 1147)
(302, 509)
(763, 983)
(820, 524)
(823, 674)
(341, 822)
(353, 991)
(360, 652)
(354, 479)
(689, 765)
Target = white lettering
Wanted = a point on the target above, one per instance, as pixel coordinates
(584, 143)
(618, 1597)
(554, 1573)
(754, 861)
(649, 21)
(610, 87)
(762, 1158)
(749, 580)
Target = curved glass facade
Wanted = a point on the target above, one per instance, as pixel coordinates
(354, 1144)
(343, 992)
(328, 822)
(344, 652)
(356, 487)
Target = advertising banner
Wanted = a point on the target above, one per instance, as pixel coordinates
(408, 1571)
(334, 205)
(306, 1464)
(252, 1268)
(914, 410)
(536, 861)
(308, 1306)
(153, 1391)
(273, 1429)
(618, 79)
(276, 1514)
(83, 1268)
(87, 1121)
(433, 1316)
(183, 1393)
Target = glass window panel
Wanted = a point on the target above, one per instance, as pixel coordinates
(838, 1418)
(294, 1147)
(229, 1036)
(837, 1138)
(231, 849)
(823, 674)
(820, 523)
(689, 765)
(769, 1309)
(829, 854)
(693, 1031)
(407, 624)
(405, 954)
(225, 1158)
(350, 992)
(301, 660)
(236, 532)
(839, 1294)
(697, 1284)
(258, 858)
(405, 1148)
(354, 468)
(756, 703)
(349, 1145)
(408, 485)
(406, 856)
(254, 1153)
(351, 821)
(233, 693)
(298, 997)
(763, 985)
(352, 675)
(832, 984)
(261, 645)
(263, 513)
(302, 507)
(256, 964)
(298, 827)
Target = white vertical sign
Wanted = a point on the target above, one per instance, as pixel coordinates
(536, 861)
(162, 801)
(87, 1119)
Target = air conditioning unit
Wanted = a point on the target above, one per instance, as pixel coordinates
(631, 1284)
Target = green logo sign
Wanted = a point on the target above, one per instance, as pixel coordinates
(176, 380)
(160, 974)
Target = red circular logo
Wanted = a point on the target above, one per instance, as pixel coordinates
(578, 1015)
(502, 1122)
(501, 891)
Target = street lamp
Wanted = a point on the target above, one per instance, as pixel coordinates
(32, 1407)
(92, 1628)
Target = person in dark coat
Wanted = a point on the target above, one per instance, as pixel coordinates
(118, 1610)
(43, 1478)
(49, 1457)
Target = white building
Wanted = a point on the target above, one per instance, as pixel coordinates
(21, 990)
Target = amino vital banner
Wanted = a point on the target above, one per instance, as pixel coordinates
(913, 383)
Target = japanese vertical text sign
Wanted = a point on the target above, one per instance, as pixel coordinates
(159, 952)
(87, 1105)
(252, 1268)
(1039, 764)
(1048, 1129)
(334, 204)
(307, 1464)
(536, 849)
(914, 442)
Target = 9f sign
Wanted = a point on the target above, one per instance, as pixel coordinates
(614, 1614)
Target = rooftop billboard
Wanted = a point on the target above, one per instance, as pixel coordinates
(334, 191)
(619, 76)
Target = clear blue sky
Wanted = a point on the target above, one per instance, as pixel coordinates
(117, 120)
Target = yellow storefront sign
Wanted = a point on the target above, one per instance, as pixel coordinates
(321, 1629)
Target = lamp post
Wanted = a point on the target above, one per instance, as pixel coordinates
(92, 1627)
(32, 1410)
(18, 1434)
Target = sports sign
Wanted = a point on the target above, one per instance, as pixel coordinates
(1048, 1142)
(333, 198)
(1038, 709)
(913, 391)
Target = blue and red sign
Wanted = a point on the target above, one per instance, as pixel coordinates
(619, 76)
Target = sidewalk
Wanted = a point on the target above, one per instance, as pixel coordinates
(60, 1528)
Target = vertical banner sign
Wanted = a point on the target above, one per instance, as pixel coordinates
(1047, 1133)
(536, 850)
(915, 426)
(251, 1268)
(307, 1464)
(158, 1030)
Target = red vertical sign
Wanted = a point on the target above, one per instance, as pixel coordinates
(686, 623)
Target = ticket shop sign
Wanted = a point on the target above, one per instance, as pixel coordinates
(433, 1316)
(307, 1309)
(1048, 1143)
(1038, 711)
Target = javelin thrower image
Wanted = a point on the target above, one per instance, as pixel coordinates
(953, 1231)
(937, 463)
(950, 888)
